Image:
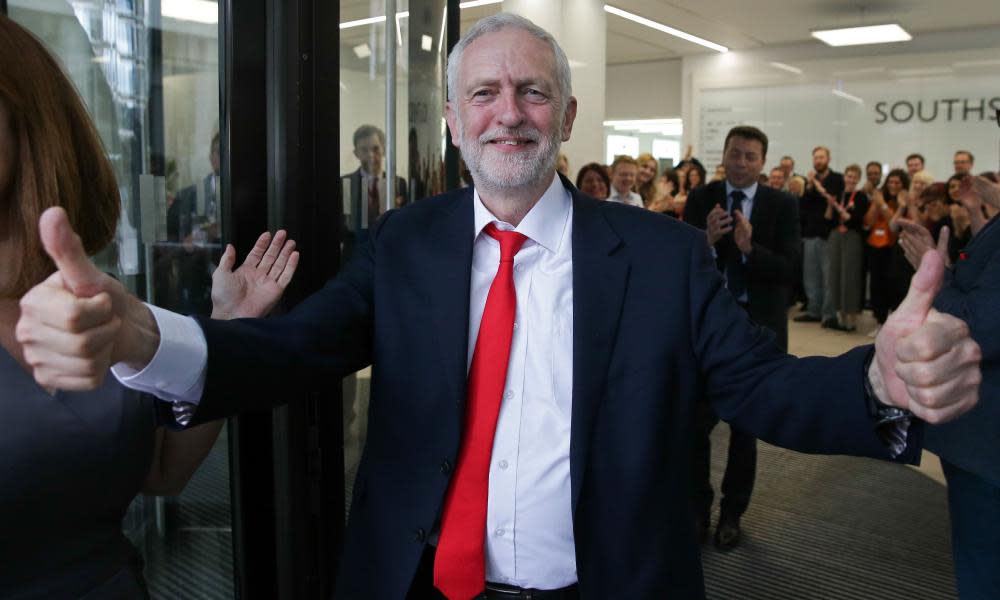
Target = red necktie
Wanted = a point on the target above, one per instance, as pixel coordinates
(460, 562)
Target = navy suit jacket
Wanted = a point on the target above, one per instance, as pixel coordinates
(653, 331)
(971, 292)
(773, 266)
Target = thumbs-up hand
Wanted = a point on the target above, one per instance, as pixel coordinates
(925, 361)
(79, 321)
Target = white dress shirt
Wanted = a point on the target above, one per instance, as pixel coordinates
(631, 199)
(749, 193)
(529, 524)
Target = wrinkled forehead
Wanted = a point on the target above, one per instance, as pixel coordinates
(508, 54)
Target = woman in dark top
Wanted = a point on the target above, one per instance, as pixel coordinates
(71, 462)
(845, 248)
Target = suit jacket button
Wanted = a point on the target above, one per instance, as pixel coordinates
(445, 467)
(419, 535)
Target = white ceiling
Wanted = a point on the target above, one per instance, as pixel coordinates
(747, 24)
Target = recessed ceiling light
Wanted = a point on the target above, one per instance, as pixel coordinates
(784, 67)
(199, 11)
(475, 3)
(857, 36)
(362, 51)
(664, 28)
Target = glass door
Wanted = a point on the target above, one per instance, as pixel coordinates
(148, 71)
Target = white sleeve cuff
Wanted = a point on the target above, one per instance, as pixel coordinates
(177, 371)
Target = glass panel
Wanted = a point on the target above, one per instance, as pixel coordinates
(149, 74)
(419, 31)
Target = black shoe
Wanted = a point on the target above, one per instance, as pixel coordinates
(728, 534)
(807, 318)
(832, 323)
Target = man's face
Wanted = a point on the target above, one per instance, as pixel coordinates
(963, 163)
(507, 117)
(821, 160)
(370, 151)
(623, 178)
(743, 160)
(874, 174)
(777, 178)
(913, 165)
(788, 166)
(851, 180)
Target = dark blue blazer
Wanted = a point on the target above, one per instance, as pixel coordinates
(654, 330)
(971, 292)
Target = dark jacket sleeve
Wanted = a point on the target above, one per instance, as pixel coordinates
(259, 363)
(814, 404)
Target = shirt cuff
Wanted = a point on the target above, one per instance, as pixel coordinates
(177, 371)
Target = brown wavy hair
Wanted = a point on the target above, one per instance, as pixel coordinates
(58, 160)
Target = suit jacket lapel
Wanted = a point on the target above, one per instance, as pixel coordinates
(449, 266)
(599, 281)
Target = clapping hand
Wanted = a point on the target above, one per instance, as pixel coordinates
(925, 360)
(255, 287)
(743, 233)
(916, 241)
(719, 223)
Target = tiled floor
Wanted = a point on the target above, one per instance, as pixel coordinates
(806, 339)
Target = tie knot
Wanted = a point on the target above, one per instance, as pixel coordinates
(510, 241)
(738, 195)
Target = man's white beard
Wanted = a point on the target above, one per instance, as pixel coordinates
(515, 170)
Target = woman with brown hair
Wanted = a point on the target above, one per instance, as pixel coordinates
(71, 462)
(593, 181)
(881, 240)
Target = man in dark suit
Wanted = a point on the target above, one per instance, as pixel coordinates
(969, 447)
(534, 372)
(753, 232)
(364, 191)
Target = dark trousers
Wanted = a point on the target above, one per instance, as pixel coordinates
(974, 506)
(741, 468)
(423, 582)
(882, 281)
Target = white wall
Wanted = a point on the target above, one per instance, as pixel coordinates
(799, 111)
(647, 90)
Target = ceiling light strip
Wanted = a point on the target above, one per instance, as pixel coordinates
(664, 28)
(784, 67)
(847, 96)
(857, 36)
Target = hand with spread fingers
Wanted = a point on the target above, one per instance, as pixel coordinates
(925, 360)
(80, 321)
(254, 288)
(916, 240)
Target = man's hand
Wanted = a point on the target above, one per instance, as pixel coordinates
(79, 321)
(719, 223)
(916, 240)
(255, 287)
(743, 233)
(925, 361)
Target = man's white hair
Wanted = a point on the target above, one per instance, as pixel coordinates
(499, 22)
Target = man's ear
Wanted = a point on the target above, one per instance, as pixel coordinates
(568, 118)
(451, 116)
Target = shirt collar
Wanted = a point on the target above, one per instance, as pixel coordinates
(545, 222)
(750, 190)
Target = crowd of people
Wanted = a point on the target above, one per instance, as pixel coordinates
(854, 224)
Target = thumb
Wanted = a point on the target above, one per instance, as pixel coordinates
(942, 245)
(79, 274)
(228, 259)
(923, 287)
